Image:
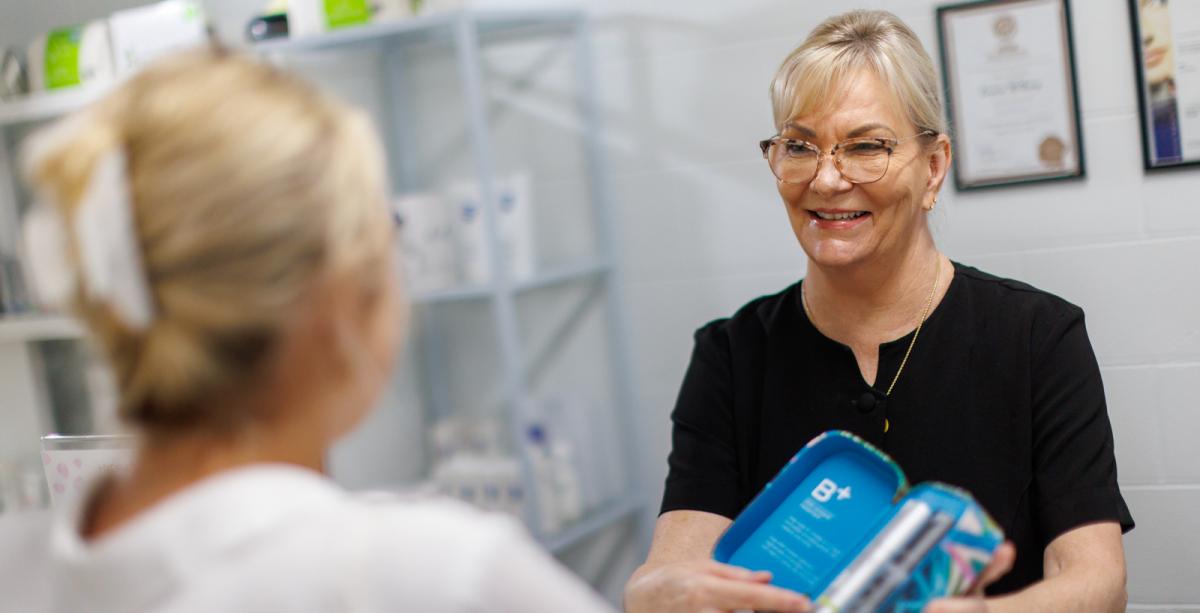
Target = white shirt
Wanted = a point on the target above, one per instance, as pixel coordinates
(277, 538)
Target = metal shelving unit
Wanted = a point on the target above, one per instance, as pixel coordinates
(462, 30)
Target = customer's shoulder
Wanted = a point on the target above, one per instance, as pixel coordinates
(433, 523)
(444, 548)
(24, 556)
(1013, 296)
(387, 551)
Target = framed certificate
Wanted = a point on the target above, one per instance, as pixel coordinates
(1009, 69)
(1166, 42)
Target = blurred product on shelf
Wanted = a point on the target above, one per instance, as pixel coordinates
(142, 34)
(469, 464)
(70, 56)
(309, 17)
(514, 225)
(492, 483)
(426, 241)
(584, 438)
(271, 23)
(554, 477)
(22, 486)
(443, 237)
(103, 49)
(267, 27)
(465, 434)
(13, 78)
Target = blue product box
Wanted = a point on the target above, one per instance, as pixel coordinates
(840, 524)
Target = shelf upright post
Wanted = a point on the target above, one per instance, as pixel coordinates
(466, 35)
(401, 151)
(620, 351)
(10, 219)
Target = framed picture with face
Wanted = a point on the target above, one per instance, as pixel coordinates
(1009, 72)
(1166, 44)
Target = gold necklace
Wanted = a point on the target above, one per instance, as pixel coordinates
(924, 314)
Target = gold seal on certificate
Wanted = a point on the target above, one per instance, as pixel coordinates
(1010, 78)
(1052, 152)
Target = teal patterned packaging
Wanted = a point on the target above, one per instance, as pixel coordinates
(840, 524)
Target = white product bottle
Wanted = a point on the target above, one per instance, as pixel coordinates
(514, 195)
(514, 228)
(566, 481)
(426, 228)
(592, 451)
(470, 224)
(543, 480)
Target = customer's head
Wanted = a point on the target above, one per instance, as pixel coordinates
(260, 216)
(860, 75)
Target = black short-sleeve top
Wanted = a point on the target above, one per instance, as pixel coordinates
(1001, 396)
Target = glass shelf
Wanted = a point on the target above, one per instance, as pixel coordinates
(549, 278)
(591, 524)
(38, 327)
(49, 104)
(415, 27)
(34, 327)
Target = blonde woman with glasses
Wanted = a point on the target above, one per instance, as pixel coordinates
(961, 376)
(222, 230)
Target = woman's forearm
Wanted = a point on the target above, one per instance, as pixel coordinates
(1084, 591)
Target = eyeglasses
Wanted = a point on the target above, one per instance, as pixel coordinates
(860, 160)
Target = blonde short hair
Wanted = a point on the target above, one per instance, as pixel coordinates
(875, 40)
(248, 186)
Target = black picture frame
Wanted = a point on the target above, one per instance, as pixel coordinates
(1150, 161)
(1070, 81)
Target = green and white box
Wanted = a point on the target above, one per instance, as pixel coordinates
(71, 56)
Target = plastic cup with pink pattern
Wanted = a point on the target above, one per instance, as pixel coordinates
(72, 462)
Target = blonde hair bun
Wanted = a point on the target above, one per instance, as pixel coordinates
(247, 186)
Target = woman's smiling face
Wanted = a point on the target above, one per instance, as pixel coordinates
(839, 223)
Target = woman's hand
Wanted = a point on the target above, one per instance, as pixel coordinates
(973, 602)
(705, 586)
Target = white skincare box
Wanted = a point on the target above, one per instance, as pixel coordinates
(142, 34)
(67, 57)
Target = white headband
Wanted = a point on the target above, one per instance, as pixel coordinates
(111, 269)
